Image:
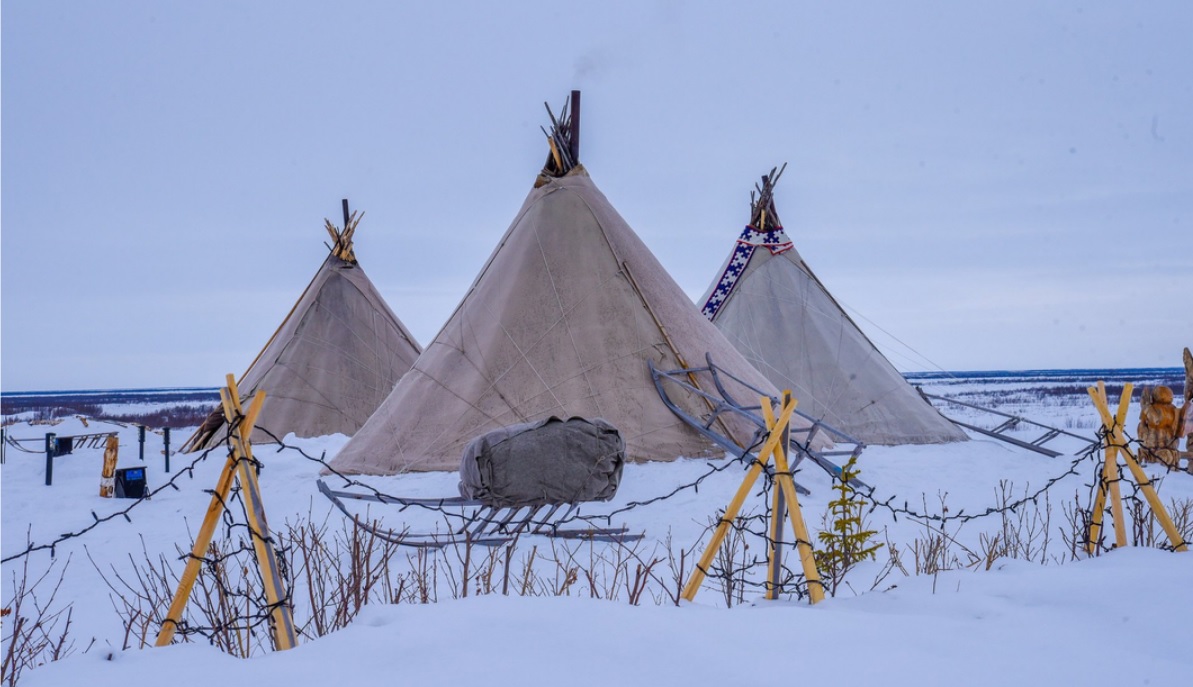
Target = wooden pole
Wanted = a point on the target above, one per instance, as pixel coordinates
(202, 541)
(803, 539)
(1097, 515)
(768, 447)
(1116, 437)
(238, 466)
(281, 615)
(575, 124)
(107, 478)
(1153, 499)
(779, 504)
(775, 551)
(1108, 486)
(1112, 474)
(51, 444)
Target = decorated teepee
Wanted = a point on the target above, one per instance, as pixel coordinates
(560, 322)
(333, 360)
(767, 301)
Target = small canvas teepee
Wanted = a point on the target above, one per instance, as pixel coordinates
(767, 301)
(561, 321)
(333, 360)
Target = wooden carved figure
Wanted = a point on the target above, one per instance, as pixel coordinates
(1158, 426)
(1187, 409)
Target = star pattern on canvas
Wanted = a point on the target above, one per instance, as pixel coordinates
(775, 240)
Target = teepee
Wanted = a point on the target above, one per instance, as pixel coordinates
(767, 301)
(561, 321)
(333, 360)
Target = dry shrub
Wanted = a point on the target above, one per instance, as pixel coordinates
(36, 627)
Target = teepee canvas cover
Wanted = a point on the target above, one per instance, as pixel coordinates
(767, 301)
(333, 360)
(560, 321)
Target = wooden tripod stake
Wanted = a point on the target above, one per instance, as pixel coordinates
(775, 445)
(238, 466)
(1116, 445)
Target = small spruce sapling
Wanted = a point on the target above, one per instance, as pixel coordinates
(844, 541)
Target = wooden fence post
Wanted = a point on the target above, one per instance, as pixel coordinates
(166, 439)
(50, 446)
(107, 480)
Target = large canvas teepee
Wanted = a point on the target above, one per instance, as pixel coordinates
(333, 360)
(561, 321)
(767, 301)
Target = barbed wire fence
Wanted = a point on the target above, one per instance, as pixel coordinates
(233, 603)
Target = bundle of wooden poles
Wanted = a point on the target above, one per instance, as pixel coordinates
(563, 138)
(342, 238)
(763, 216)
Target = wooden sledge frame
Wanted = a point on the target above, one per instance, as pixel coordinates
(480, 524)
(801, 438)
(1012, 421)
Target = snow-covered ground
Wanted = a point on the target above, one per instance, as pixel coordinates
(1019, 621)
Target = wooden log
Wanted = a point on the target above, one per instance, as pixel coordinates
(107, 478)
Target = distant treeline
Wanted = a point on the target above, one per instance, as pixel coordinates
(149, 407)
(188, 407)
(1040, 384)
(1135, 375)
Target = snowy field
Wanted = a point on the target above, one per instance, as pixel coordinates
(937, 606)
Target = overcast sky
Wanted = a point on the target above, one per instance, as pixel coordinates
(997, 185)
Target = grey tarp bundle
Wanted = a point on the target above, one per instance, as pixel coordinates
(549, 461)
(560, 321)
(767, 301)
(334, 359)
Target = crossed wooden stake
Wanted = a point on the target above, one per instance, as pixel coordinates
(1116, 445)
(776, 444)
(239, 466)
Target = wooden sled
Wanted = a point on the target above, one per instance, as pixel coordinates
(723, 403)
(480, 524)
